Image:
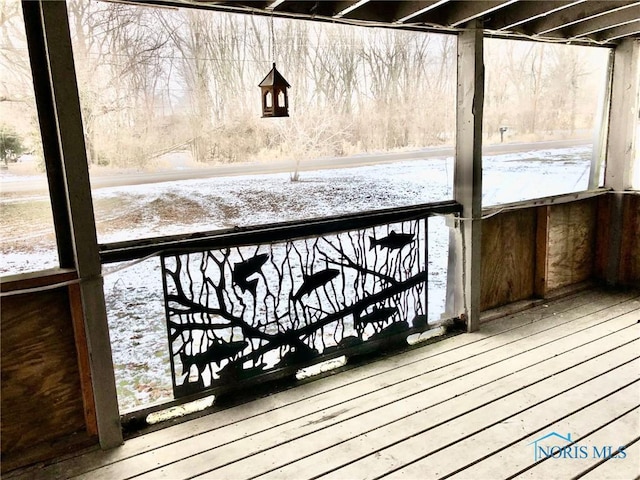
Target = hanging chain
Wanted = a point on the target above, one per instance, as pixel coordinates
(272, 41)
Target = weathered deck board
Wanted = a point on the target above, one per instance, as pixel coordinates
(464, 347)
(577, 402)
(484, 394)
(613, 467)
(605, 439)
(432, 411)
(430, 433)
(567, 308)
(335, 424)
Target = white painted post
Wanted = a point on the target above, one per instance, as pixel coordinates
(80, 207)
(624, 111)
(463, 282)
(624, 114)
(601, 128)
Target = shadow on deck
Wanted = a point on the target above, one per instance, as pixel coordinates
(551, 392)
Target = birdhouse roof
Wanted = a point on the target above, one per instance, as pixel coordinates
(273, 78)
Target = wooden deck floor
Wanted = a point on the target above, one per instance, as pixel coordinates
(466, 407)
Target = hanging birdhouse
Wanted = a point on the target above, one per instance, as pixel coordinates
(275, 102)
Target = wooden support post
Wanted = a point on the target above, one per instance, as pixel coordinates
(621, 144)
(84, 365)
(601, 129)
(463, 282)
(68, 121)
(48, 132)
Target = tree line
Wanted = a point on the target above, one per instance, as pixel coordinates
(156, 80)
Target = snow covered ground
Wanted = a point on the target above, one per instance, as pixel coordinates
(134, 293)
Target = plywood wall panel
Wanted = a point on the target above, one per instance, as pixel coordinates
(508, 257)
(41, 391)
(602, 236)
(572, 243)
(630, 248)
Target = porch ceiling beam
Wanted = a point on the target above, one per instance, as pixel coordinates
(574, 15)
(632, 28)
(523, 12)
(604, 22)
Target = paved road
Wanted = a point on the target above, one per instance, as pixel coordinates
(39, 184)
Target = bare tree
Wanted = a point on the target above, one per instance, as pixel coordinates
(16, 73)
(539, 89)
(120, 67)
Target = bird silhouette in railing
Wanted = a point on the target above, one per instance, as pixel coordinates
(217, 352)
(393, 241)
(314, 281)
(243, 270)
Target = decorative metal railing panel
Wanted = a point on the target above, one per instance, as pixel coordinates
(239, 312)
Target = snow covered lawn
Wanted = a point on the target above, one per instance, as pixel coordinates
(134, 293)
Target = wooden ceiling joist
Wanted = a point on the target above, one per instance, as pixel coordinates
(574, 15)
(583, 21)
(522, 12)
(345, 8)
(604, 22)
(410, 10)
(456, 13)
(465, 11)
(630, 29)
(273, 5)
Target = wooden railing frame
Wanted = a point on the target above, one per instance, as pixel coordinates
(141, 248)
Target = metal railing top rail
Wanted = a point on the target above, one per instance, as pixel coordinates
(237, 236)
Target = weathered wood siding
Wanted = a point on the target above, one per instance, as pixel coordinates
(630, 248)
(508, 257)
(629, 266)
(602, 236)
(42, 391)
(534, 250)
